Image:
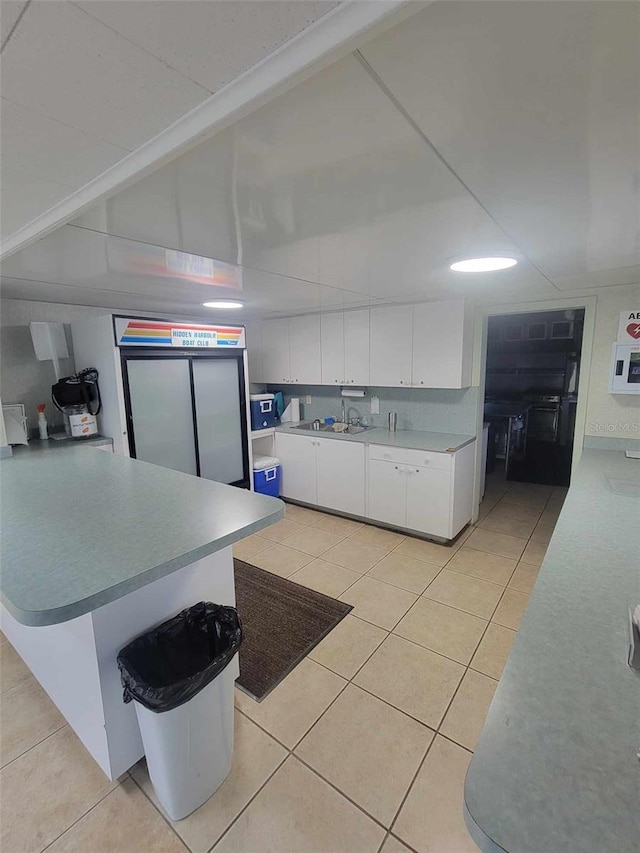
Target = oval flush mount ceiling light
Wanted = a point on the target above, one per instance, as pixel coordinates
(483, 264)
(223, 303)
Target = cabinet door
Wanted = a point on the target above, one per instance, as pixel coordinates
(387, 492)
(253, 335)
(297, 455)
(340, 475)
(304, 348)
(429, 500)
(275, 351)
(438, 344)
(356, 347)
(332, 344)
(391, 333)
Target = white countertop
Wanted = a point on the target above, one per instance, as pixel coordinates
(410, 439)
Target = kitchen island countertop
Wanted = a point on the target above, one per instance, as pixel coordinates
(81, 528)
(410, 439)
(556, 766)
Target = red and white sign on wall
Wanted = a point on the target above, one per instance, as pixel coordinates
(629, 327)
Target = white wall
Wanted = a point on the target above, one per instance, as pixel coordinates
(24, 379)
(610, 415)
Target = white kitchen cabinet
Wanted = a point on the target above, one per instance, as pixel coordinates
(391, 333)
(441, 345)
(428, 345)
(325, 472)
(387, 493)
(429, 498)
(291, 351)
(421, 490)
(304, 350)
(275, 351)
(297, 455)
(340, 475)
(345, 348)
(253, 337)
(332, 345)
(356, 347)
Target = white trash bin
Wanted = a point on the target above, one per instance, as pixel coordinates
(178, 676)
(189, 749)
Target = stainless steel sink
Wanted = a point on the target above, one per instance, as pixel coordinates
(315, 427)
(352, 429)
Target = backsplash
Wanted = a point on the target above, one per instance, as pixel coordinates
(433, 410)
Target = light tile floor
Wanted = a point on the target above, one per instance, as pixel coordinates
(363, 747)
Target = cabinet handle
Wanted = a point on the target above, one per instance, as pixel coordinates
(396, 467)
(402, 381)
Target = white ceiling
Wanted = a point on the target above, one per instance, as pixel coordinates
(471, 128)
(86, 83)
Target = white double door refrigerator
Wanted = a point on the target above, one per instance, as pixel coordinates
(187, 411)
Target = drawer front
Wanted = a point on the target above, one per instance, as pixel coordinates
(404, 456)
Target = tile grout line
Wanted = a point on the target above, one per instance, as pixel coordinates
(34, 745)
(166, 819)
(444, 716)
(82, 816)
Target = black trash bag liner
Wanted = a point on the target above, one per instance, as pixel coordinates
(167, 666)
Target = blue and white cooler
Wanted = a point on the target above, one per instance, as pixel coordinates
(266, 475)
(263, 411)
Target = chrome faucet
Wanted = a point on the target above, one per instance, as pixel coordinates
(343, 414)
(354, 421)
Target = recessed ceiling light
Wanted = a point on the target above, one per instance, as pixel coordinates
(223, 303)
(483, 264)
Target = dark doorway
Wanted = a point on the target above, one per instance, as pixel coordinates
(531, 388)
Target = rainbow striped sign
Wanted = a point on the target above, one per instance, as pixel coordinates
(154, 333)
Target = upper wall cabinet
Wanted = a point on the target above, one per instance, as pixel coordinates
(356, 347)
(275, 351)
(332, 337)
(345, 348)
(391, 346)
(291, 351)
(442, 345)
(304, 350)
(399, 346)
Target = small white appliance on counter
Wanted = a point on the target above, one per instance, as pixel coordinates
(15, 422)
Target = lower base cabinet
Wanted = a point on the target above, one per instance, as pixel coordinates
(387, 493)
(428, 492)
(327, 472)
(422, 491)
